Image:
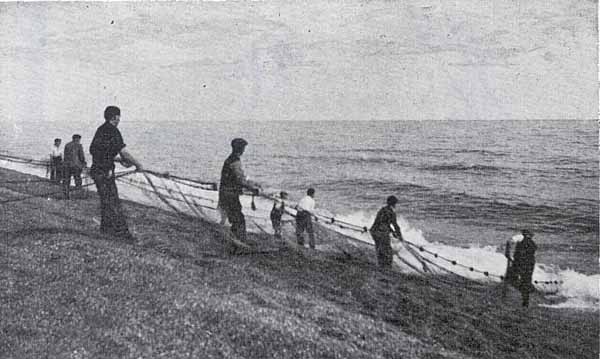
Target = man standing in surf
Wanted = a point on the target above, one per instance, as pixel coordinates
(523, 263)
(233, 181)
(106, 145)
(380, 231)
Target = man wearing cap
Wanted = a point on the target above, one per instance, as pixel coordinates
(523, 263)
(380, 231)
(233, 181)
(106, 145)
(74, 163)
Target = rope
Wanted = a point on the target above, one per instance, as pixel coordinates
(53, 193)
(184, 199)
(419, 258)
(16, 159)
(210, 185)
(26, 181)
(155, 191)
(187, 198)
(47, 194)
(195, 208)
(363, 229)
(140, 184)
(161, 197)
(189, 204)
(332, 221)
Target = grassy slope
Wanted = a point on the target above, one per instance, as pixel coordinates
(67, 291)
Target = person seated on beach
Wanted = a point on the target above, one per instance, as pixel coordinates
(233, 181)
(106, 145)
(73, 164)
(56, 161)
(381, 229)
(305, 211)
(277, 213)
(522, 264)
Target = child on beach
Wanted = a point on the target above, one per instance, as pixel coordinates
(277, 213)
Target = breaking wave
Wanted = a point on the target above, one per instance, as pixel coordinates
(571, 288)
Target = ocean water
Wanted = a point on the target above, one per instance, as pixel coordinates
(461, 184)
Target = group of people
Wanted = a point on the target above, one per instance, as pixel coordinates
(234, 181)
(108, 146)
(67, 163)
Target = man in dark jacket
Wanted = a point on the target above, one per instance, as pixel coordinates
(233, 181)
(380, 231)
(74, 163)
(106, 145)
(524, 263)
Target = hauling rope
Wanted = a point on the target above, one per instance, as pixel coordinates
(53, 193)
(198, 199)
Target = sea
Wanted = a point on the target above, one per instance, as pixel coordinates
(463, 184)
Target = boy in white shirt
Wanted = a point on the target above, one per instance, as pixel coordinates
(306, 209)
(56, 160)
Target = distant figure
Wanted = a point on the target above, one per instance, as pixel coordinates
(380, 231)
(305, 211)
(106, 145)
(277, 213)
(56, 161)
(523, 263)
(74, 163)
(233, 181)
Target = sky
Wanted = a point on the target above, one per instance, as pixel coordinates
(318, 60)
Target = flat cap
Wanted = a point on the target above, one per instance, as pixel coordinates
(238, 143)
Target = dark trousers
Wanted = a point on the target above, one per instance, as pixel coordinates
(113, 220)
(230, 203)
(304, 223)
(276, 222)
(383, 249)
(71, 171)
(524, 273)
(56, 168)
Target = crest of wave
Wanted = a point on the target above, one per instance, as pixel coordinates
(580, 290)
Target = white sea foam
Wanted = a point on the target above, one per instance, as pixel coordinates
(577, 289)
(581, 291)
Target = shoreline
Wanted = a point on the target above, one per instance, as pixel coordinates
(72, 291)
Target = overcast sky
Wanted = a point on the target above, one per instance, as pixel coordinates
(361, 60)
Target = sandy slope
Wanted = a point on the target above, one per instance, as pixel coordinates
(69, 292)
